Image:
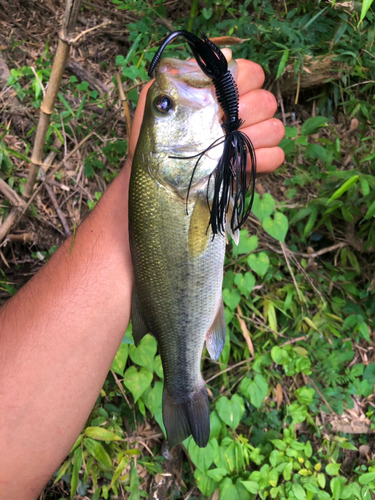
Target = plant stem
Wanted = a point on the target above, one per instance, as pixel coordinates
(193, 14)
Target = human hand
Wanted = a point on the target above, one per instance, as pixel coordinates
(257, 108)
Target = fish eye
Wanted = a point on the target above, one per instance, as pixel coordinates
(163, 103)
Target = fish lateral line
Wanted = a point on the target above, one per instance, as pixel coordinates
(230, 173)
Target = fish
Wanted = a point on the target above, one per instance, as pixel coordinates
(177, 260)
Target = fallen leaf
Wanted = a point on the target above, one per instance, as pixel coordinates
(245, 332)
(228, 40)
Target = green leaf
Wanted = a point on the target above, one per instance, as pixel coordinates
(154, 397)
(367, 478)
(369, 373)
(282, 63)
(137, 381)
(287, 472)
(134, 483)
(144, 354)
(77, 462)
(217, 474)
(231, 411)
(305, 395)
(205, 483)
(333, 469)
(263, 207)
(98, 452)
(259, 263)
(118, 364)
(366, 4)
(251, 486)
(298, 412)
(246, 244)
(203, 457)
(299, 492)
(255, 390)
(342, 189)
(276, 227)
(101, 434)
(279, 355)
(231, 298)
(158, 367)
(228, 490)
(207, 14)
(335, 488)
(371, 211)
(312, 125)
(245, 283)
(321, 480)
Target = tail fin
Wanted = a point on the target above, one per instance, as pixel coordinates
(192, 416)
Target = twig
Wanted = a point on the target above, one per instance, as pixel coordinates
(227, 370)
(145, 438)
(293, 341)
(300, 296)
(59, 212)
(281, 103)
(91, 29)
(320, 394)
(121, 388)
(311, 255)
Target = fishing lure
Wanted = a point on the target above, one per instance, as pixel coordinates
(230, 183)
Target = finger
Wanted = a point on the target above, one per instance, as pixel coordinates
(138, 117)
(250, 76)
(257, 106)
(265, 134)
(269, 159)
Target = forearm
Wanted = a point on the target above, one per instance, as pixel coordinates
(58, 337)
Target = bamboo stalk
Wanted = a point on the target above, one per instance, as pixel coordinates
(46, 109)
(6, 226)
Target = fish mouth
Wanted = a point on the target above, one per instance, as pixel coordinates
(186, 71)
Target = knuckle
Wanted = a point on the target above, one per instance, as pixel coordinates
(279, 129)
(270, 102)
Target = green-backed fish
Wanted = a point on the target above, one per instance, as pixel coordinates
(178, 264)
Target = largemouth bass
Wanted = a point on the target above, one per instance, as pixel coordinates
(178, 264)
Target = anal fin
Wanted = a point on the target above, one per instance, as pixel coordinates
(215, 338)
(139, 326)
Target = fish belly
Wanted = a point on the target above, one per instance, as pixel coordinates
(178, 287)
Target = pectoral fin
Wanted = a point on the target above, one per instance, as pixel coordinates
(139, 326)
(199, 233)
(215, 338)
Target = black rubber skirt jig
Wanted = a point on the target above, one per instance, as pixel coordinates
(230, 183)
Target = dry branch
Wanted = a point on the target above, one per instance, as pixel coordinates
(9, 221)
(46, 109)
(11, 195)
(316, 71)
